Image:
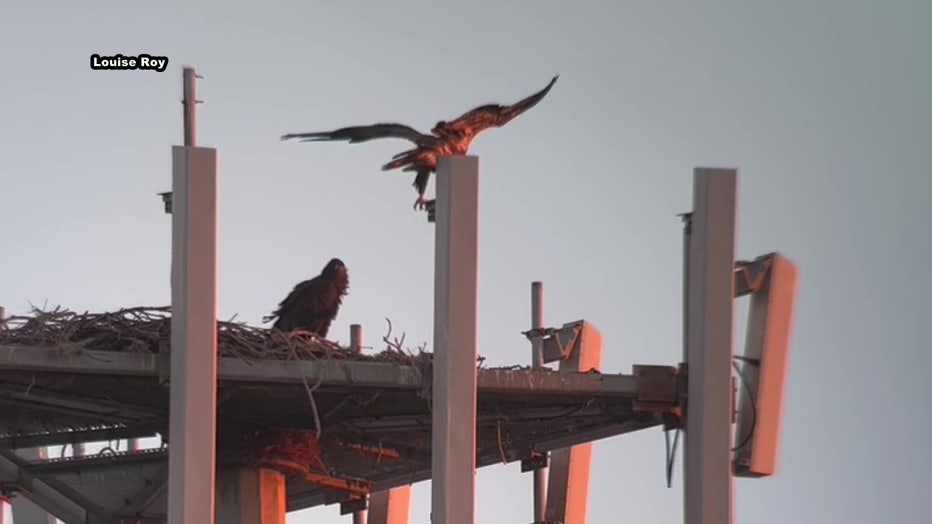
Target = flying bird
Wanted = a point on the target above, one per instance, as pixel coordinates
(313, 304)
(446, 138)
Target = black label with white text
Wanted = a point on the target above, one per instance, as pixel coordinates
(141, 61)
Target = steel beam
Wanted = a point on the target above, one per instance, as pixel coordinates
(193, 389)
(493, 457)
(453, 489)
(29, 509)
(146, 429)
(98, 462)
(330, 373)
(568, 487)
(708, 481)
(45, 398)
(151, 501)
(43, 499)
(154, 494)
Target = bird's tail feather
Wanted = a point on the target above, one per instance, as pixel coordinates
(308, 137)
(401, 159)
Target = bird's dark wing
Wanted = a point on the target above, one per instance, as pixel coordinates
(494, 115)
(289, 302)
(358, 134)
(308, 303)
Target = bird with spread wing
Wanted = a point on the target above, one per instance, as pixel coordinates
(446, 138)
(312, 305)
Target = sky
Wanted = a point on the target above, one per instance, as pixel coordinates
(823, 106)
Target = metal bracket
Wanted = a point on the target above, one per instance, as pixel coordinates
(734, 399)
(167, 201)
(536, 461)
(350, 484)
(751, 277)
(8, 490)
(558, 343)
(661, 389)
(353, 504)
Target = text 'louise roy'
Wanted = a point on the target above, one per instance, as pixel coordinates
(119, 61)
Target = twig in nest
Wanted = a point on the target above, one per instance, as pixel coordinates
(144, 329)
(310, 395)
(397, 344)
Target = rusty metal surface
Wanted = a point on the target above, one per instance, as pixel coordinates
(519, 412)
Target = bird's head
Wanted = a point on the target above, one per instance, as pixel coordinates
(334, 268)
(335, 271)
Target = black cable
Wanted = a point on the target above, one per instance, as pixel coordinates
(670, 451)
(747, 389)
(671, 454)
(666, 455)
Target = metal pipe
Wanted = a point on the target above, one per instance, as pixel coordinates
(361, 516)
(189, 102)
(537, 361)
(356, 338)
(687, 232)
(2, 503)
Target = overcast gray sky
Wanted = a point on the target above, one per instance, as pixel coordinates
(823, 106)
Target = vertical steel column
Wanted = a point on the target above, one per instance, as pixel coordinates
(537, 361)
(193, 364)
(390, 506)
(687, 233)
(359, 517)
(453, 449)
(250, 496)
(189, 103)
(568, 486)
(193, 378)
(708, 480)
(2, 503)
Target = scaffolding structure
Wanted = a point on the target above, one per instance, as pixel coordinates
(181, 486)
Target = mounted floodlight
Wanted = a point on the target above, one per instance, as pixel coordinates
(771, 281)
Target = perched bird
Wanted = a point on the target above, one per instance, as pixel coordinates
(313, 304)
(446, 138)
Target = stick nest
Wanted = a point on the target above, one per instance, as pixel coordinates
(290, 451)
(147, 329)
